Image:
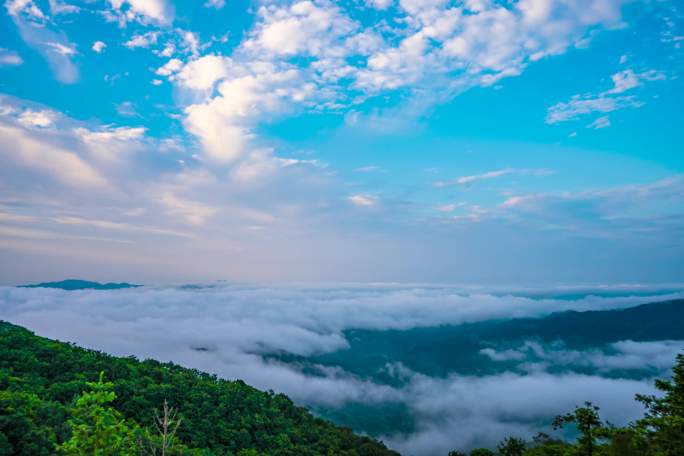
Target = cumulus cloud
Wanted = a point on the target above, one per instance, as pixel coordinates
(98, 46)
(142, 41)
(27, 7)
(224, 123)
(170, 67)
(203, 73)
(147, 11)
(628, 79)
(42, 118)
(228, 330)
(340, 61)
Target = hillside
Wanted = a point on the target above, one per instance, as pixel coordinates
(39, 379)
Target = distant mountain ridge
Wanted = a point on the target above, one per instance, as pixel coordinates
(441, 350)
(77, 284)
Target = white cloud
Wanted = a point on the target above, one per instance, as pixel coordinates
(582, 105)
(9, 58)
(28, 7)
(158, 11)
(98, 46)
(126, 109)
(622, 355)
(61, 48)
(607, 101)
(601, 122)
(451, 207)
(170, 67)
(24, 149)
(628, 79)
(218, 4)
(43, 118)
(609, 213)
(467, 412)
(193, 212)
(42, 35)
(107, 134)
(368, 169)
(223, 123)
(203, 73)
(379, 4)
(305, 27)
(59, 7)
(142, 41)
(363, 200)
(467, 180)
(339, 62)
(190, 42)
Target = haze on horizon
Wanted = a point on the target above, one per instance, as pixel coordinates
(531, 142)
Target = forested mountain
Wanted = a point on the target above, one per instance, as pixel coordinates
(440, 350)
(40, 380)
(77, 284)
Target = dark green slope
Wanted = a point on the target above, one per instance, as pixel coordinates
(39, 378)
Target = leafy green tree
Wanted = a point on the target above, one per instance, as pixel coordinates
(98, 429)
(625, 442)
(663, 422)
(481, 452)
(456, 453)
(588, 423)
(29, 426)
(511, 446)
(545, 445)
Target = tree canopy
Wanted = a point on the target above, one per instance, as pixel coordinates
(57, 398)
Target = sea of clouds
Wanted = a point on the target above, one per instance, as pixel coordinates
(227, 329)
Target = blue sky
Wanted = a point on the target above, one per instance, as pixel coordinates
(511, 142)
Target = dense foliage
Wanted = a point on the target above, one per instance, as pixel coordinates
(659, 433)
(50, 403)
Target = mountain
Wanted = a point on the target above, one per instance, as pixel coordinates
(39, 379)
(441, 350)
(76, 284)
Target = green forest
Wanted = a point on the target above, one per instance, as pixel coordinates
(57, 398)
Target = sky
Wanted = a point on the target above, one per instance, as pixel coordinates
(495, 142)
